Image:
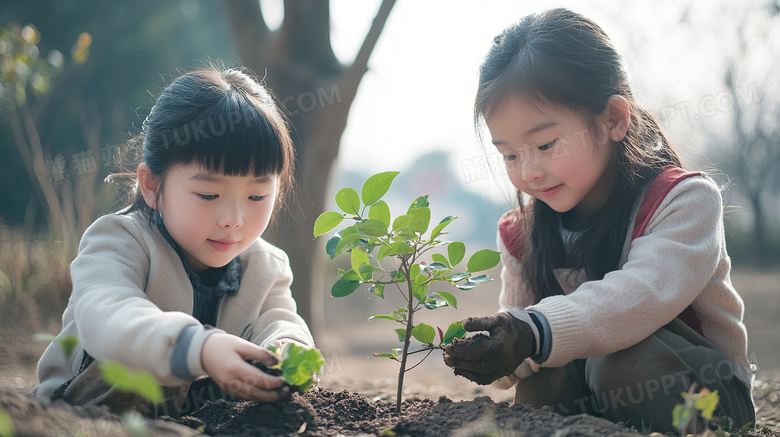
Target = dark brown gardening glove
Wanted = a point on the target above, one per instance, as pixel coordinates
(484, 359)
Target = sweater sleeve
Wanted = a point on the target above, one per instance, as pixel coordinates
(115, 320)
(278, 321)
(666, 269)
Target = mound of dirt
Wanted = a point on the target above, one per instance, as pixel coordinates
(322, 412)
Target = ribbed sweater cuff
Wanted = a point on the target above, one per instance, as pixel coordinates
(568, 323)
(185, 359)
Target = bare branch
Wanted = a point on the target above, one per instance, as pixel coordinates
(360, 66)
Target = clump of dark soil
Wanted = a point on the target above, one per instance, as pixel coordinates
(323, 412)
(320, 412)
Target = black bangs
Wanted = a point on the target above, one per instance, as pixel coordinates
(232, 138)
(224, 121)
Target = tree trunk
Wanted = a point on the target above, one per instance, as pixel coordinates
(317, 92)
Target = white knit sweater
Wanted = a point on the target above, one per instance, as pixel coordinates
(680, 260)
(132, 299)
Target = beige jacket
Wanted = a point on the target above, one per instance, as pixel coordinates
(132, 298)
(680, 260)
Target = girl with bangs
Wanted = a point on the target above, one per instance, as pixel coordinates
(180, 283)
(616, 294)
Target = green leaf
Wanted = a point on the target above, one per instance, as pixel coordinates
(7, 428)
(441, 259)
(680, 417)
(468, 285)
(326, 222)
(123, 379)
(482, 260)
(68, 344)
(382, 316)
(385, 355)
(399, 314)
(396, 248)
(402, 222)
(420, 202)
(346, 284)
(451, 300)
(707, 402)
(480, 279)
(424, 333)
(380, 211)
(437, 266)
(442, 224)
(359, 258)
(301, 365)
(401, 334)
(456, 251)
(414, 270)
(420, 292)
(348, 200)
(376, 186)
(456, 277)
(347, 243)
(330, 246)
(378, 289)
(372, 228)
(421, 218)
(433, 303)
(454, 331)
(365, 271)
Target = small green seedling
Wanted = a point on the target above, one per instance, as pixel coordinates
(299, 366)
(6, 425)
(376, 236)
(686, 415)
(123, 379)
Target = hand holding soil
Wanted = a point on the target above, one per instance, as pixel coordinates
(484, 359)
(224, 359)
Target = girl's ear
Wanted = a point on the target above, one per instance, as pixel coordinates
(617, 117)
(148, 185)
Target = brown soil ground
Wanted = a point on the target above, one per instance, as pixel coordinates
(347, 340)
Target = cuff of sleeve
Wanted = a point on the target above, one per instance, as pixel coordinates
(185, 359)
(545, 334)
(566, 320)
(525, 317)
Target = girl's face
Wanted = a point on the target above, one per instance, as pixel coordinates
(213, 217)
(551, 153)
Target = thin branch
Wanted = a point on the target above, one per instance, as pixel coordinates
(360, 65)
(426, 356)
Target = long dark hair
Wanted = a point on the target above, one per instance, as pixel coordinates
(562, 58)
(223, 120)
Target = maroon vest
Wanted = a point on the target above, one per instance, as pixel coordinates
(512, 233)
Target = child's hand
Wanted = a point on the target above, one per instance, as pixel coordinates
(224, 358)
(484, 359)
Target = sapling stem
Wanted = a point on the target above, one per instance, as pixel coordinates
(407, 338)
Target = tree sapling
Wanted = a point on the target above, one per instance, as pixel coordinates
(374, 236)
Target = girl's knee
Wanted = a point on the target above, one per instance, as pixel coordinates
(633, 375)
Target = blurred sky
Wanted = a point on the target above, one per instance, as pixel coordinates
(418, 93)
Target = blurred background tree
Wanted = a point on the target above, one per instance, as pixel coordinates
(749, 151)
(317, 91)
(69, 118)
